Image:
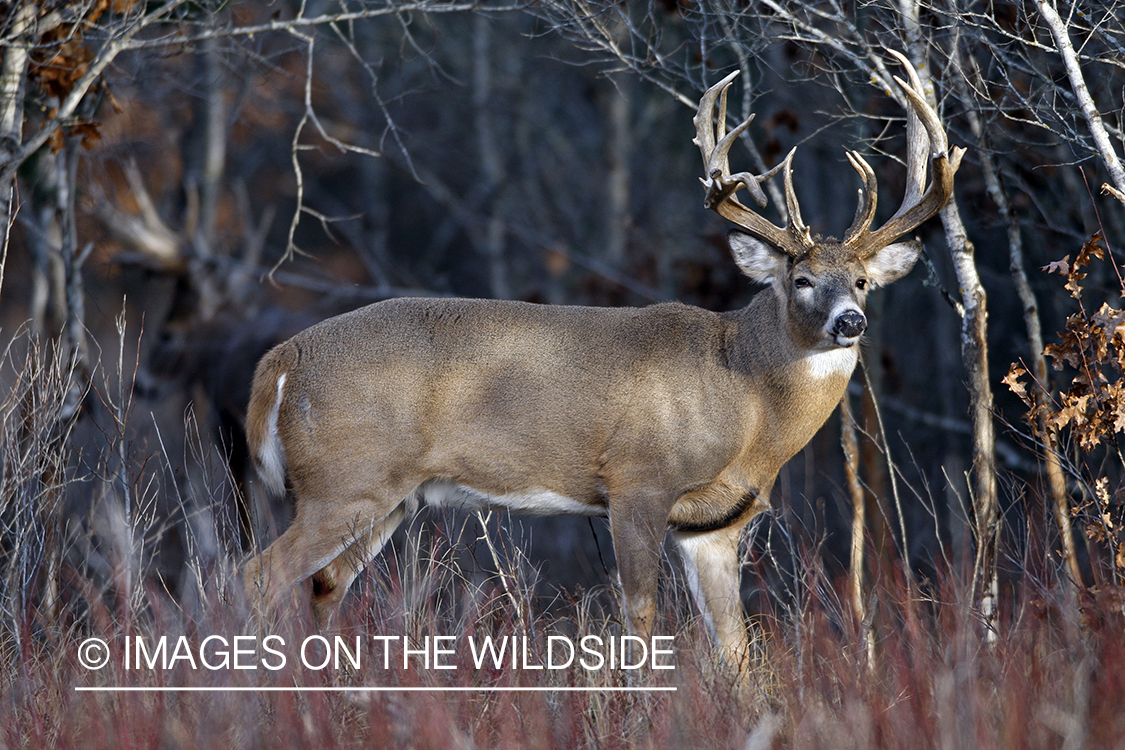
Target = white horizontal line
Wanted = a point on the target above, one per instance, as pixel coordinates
(363, 689)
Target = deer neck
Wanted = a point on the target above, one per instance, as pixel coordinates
(795, 389)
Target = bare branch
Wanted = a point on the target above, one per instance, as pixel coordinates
(1082, 94)
(305, 22)
(117, 43)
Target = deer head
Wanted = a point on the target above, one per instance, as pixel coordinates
(822, 281)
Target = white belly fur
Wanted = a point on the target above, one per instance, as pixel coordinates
(441, 493)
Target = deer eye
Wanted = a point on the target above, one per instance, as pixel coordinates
(801, 282)
(861, 284)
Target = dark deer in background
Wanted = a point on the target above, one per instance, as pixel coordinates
(661, 418)
(205, 330)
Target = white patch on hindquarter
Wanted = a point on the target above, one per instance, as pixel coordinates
(271, 453)
(824, 364)
(442, 493)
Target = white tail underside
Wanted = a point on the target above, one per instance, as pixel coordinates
(271, 453)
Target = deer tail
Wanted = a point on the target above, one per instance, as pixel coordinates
(262, 434)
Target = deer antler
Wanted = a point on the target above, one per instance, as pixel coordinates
(714, 143)
(925, 140)
(929, 140)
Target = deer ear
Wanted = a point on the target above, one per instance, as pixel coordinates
(893, 262)
(758, 260)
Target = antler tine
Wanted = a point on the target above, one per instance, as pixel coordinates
(929, 119)
(868, 197)
(714, 145)
(917, 205)
(715, 148)
(703, 120)
(796, 225)
(918, 144)
(719, 167)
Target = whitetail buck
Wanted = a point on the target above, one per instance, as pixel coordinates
(664, 417)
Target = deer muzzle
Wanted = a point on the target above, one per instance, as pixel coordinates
(849, 324)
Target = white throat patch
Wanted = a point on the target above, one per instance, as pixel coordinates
(837, 361)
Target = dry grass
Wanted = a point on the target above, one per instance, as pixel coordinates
(80, 546)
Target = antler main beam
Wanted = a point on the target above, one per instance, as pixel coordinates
(917, 206)
(714, 144)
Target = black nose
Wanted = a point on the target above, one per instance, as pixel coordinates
(850, 324)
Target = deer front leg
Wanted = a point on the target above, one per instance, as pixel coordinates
(711, 563)
(637, 525)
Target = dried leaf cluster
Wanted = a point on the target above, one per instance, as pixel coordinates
(1091, 410)
(62, 56)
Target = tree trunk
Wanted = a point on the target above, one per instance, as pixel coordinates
(974, 355)
(1102, 142)
(13, 81)
(1056, 481)
(494, 238)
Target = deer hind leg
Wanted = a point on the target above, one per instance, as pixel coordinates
(331, 582)
(711, 563)
(314, 540)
